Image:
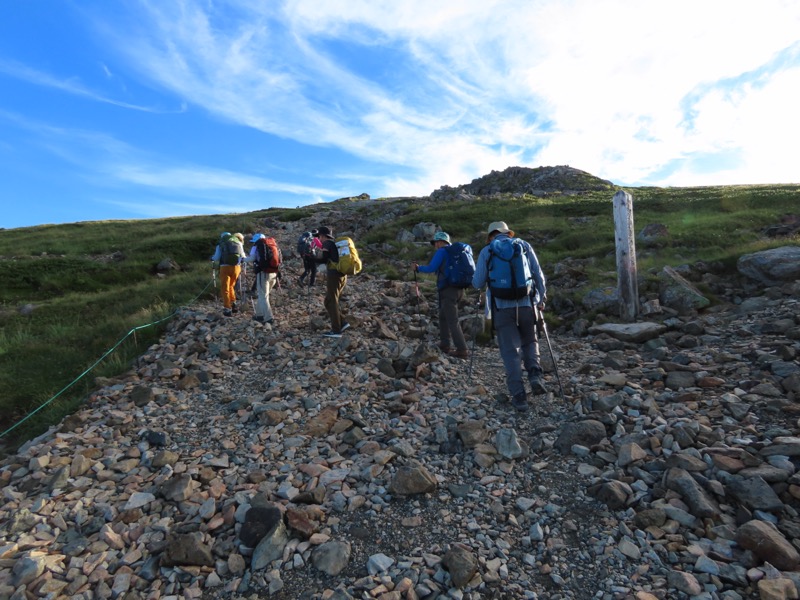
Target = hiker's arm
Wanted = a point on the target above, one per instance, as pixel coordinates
(215, 258)
(538, 279)
(252, 256)
(435, 264)
(481, 269)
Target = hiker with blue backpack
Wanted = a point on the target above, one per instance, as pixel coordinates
(454, 268)
(267, 258)
(509, 268)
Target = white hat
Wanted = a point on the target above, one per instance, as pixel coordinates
(499, 227)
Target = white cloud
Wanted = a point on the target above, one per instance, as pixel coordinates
(453, 89)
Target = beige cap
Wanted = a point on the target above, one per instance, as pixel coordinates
(499, 227)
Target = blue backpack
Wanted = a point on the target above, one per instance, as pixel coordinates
(460, 266)
(509, 271)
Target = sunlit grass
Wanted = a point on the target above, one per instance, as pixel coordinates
(92, 283)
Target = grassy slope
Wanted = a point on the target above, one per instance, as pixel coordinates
(87, 300)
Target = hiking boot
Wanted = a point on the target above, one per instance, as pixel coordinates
(445, 349)
(459, 353)
(332, 334)
(259, 319)
(344, 326)
(234, 308)
(537, 386)
(520, 402)
(227, 312)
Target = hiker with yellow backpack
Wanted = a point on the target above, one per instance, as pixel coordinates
(341, 258)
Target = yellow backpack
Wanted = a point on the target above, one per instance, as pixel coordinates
(349, 262)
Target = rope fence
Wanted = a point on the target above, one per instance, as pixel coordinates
(132, 332)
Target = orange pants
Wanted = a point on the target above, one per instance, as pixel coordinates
(227, 278)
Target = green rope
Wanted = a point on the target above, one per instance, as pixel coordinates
(99, 360)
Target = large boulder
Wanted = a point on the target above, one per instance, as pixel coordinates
(678, 294)
(771, 267)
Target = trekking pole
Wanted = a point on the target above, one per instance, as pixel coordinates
(542, 327)
(214, 277)
(416, 288)
(243, 283)
(474, 335)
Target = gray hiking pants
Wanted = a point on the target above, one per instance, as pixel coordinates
(449, 327)
(516, 337)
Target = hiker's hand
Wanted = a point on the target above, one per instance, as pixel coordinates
(540, 307)
(416, 267)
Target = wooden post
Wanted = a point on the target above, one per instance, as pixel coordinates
(627, 277)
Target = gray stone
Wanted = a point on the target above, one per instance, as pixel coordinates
(461, 563)
(331, 557)
(773, 266)
(766, 542)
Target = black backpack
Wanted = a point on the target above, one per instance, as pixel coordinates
(305, 245)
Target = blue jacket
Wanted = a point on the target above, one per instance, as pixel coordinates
(437, 265)
(482, 273)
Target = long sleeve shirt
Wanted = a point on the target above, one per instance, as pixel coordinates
(437, 265)
(252, 256)
(480, 279)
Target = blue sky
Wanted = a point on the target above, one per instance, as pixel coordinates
(153, 108)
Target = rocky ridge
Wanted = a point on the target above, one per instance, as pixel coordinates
(539, 181)
(241, 460)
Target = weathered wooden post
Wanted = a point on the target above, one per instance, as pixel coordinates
(627, 277)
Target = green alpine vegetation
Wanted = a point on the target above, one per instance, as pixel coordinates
(72, 292)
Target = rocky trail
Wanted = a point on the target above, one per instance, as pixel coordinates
(243, 460)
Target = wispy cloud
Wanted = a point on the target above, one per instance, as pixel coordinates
(196, 178)
(471, 86)
(114, 165)
(69, 85)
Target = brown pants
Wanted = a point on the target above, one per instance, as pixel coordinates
(335, 284)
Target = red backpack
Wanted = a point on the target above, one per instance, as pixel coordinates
(268, 256)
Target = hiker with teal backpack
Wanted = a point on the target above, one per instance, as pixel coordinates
(509, 268)
(228, 256)
(267, 258)
(455, 267)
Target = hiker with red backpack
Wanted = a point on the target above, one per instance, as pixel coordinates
(267, 258)
(516, 284)
(228, 256)
(454, 266)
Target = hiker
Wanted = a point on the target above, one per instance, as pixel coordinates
(309, 247)
(510, 269)
(449, 297)
(240, 278)
(227, 257)
(335, 282)
(266, 258)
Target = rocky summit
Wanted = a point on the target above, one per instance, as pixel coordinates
(245, 460)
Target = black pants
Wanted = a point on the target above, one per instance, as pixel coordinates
(310, 269)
